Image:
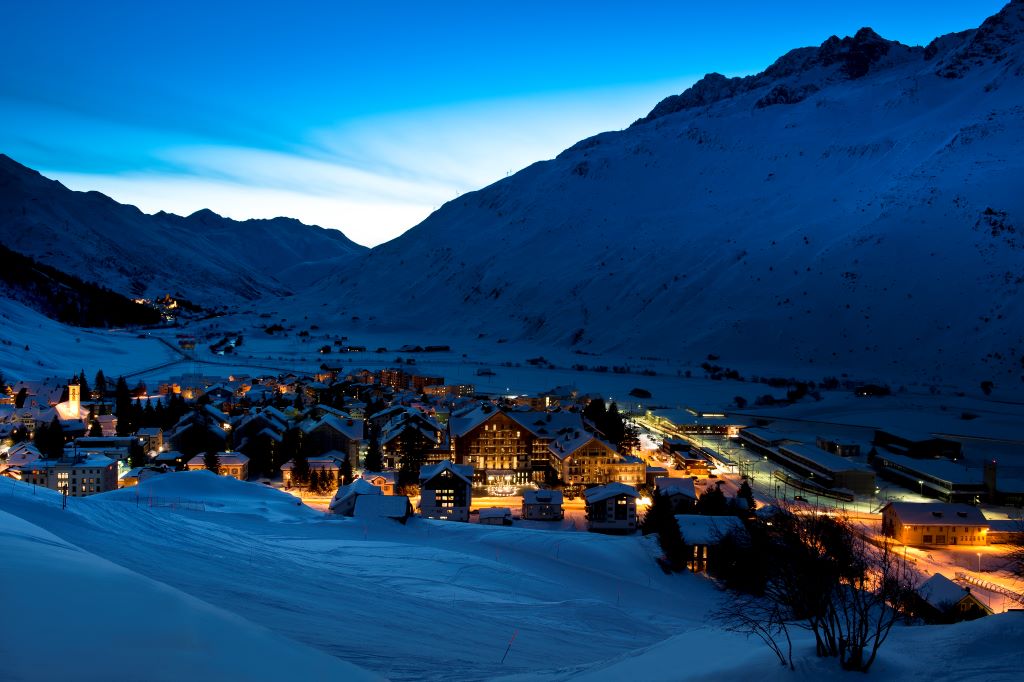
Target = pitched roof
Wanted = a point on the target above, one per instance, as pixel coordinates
(495, 513)
(941, 592)
(463, 471)
(938, 513)
(356, 488)
(605, 492)
(547, 425)
(569, 443)
(707, 530)
(542, 496)
(232, 458)
(464, 421)
(676, 486)
(388, 476)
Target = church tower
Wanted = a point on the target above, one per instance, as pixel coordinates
(74, 400)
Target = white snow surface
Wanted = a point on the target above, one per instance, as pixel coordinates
(238, 594)
(71, 614)
(873, 227)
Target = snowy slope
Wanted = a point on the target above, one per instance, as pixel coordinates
(426, 601)
(204, 257)
(33, 346)
(69, 614)
(856, 207)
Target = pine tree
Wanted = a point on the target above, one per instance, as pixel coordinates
(50, 442)
(123, 408)
(300, 469)
(345, 475)
(99, 385)
(712, 502)
(136, 455)
(595, 412)
(746, 493)
(95, 430)
(83, 385)
(148, 415)
(211, 461)
(614, 427)
(374, 459)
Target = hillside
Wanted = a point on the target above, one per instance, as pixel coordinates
(855, 207)
(204, 257)
(67, 298)
(210, 578)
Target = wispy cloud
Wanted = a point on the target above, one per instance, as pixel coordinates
(373, 178)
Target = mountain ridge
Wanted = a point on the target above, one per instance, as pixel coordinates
(204, 256)
(834, 233)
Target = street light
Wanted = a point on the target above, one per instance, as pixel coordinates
(920, 483)
(979, 561)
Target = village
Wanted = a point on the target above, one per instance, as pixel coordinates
(395, 444)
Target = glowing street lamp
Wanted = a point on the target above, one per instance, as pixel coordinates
(920, 484)
(979, 561)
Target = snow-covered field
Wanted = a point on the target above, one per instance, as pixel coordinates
(209, 578)
(33, 346)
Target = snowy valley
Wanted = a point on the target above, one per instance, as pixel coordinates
(745, 372)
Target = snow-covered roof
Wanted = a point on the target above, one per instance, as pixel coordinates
(568, 443)
(676, 486)
(944, 469)
(547, 425)
(824, 459)
(233, 458)
(388, 476)
(941, 592)
(350, 428)
(217, 414)
(707, 530)
(542, 496)
(355, 488)
(937, 513)
(23, 453)
(463, 471)
(382, 506)
(496, 513)
(605, 492)
(88, 460)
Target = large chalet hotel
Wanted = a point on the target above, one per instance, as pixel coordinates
(519, 446)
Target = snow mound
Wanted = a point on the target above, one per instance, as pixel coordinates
(206, 491)
(87, 600)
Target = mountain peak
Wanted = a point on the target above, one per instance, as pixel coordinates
(794, 75)
(1000, 38)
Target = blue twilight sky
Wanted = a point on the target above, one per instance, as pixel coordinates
(367, 116)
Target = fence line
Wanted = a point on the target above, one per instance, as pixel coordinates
(991, 587)
(172, 503)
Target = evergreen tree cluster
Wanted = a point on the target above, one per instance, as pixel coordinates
(67, 298)
(612, 425)
(49, 439)
(323, 482)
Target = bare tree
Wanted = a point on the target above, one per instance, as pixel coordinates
(827, 577)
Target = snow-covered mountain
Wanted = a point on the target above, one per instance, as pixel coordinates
(855, 207)
(204, 257)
